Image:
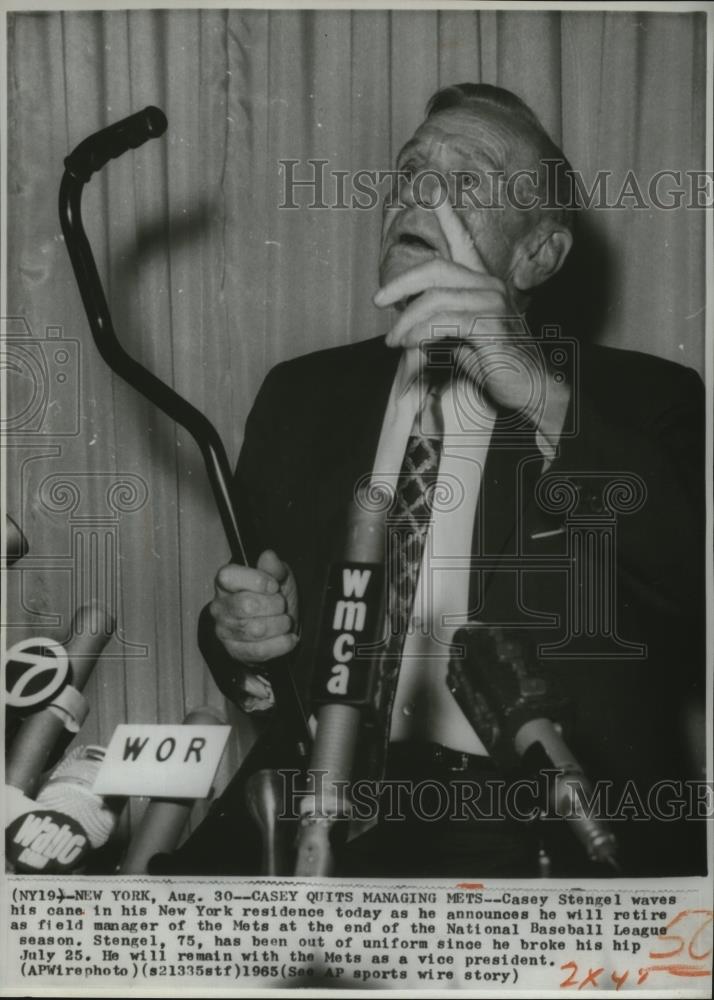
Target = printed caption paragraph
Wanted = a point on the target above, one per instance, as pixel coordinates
(248, 933)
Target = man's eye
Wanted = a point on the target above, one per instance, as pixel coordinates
(470, 179)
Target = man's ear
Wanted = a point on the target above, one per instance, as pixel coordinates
(540, 254)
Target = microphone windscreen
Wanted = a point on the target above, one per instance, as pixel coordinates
(68, 790)
(66, 822)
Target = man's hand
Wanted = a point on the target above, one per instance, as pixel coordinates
(460, 298)
(255, 611)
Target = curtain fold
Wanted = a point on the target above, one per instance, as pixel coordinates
(211, 282)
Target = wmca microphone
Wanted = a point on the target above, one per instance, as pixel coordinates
(344, 679)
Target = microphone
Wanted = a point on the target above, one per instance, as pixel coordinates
(15, 544)
(14, 547)
(42, 737)
(164, 820)
(68, 820)
(36, 671)
(344, 680)
(516, 712)
(263, 796)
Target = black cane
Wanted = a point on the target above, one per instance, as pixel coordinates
(88, 158)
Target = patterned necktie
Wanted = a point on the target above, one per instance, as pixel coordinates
(410, 516)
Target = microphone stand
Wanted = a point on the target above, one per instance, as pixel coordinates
(87, 158)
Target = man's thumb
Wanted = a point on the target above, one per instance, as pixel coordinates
(269, 562)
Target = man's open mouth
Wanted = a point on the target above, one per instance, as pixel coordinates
(411, 239)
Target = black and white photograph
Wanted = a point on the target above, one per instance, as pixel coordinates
(356, 448)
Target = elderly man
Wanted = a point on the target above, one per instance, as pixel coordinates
(482, 222)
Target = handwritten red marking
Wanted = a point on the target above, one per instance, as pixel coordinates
(591, 978)
(705, 923)
(619, 980)
(692, 932)
(572, 978)
(709, 916)
(673, 970)
(470, 885)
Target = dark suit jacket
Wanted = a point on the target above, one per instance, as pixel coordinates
(313, 433)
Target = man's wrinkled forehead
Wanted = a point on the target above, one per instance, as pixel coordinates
(489, 136)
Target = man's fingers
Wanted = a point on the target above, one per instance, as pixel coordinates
(461, 247)
(261, 651)
(253, 629)
(420, 332)
(435, 302)
(246, 604)
(232, 578)
(460, 325)
(435, 273)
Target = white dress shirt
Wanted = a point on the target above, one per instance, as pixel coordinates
(424, 708)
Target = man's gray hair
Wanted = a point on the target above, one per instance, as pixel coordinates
(555, 187)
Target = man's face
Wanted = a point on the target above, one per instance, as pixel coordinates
(469, 150)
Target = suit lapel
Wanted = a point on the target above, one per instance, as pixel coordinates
(351, 425)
